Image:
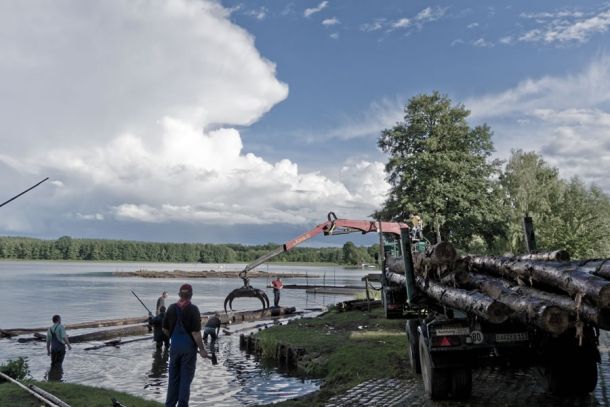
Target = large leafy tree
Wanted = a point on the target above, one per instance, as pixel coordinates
(440, 167)
(530, 187)
(567, 214)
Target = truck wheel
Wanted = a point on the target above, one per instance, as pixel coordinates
(413, 338)
(572, 377)
(461, 383)
(436, 381)
(587, 379)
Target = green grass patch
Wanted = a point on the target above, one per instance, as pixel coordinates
(73, 394)
(343, 349)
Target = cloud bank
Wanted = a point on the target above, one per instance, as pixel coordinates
(131, 108)
(566, 118)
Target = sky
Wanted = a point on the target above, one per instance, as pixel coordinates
(222, 121)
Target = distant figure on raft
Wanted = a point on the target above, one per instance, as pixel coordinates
(212, 328)
(157, 323)
(182, 324)
(277, 286)
(57, 340)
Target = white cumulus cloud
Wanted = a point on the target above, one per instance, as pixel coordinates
(311, 11)
(566, 118)
(566, 26)
(131, 108)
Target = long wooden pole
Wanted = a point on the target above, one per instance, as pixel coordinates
(48, 396)
(38, 396)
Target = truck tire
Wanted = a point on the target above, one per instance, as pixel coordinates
(436, 381)
(572, 377)
(413, 338)
(461, 383)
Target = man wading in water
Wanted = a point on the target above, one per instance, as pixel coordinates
(57, 340)
(182, 324)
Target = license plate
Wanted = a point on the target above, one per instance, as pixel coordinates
(451, 331)
(512, 337)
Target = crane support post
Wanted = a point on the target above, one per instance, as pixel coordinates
(530, 236)
(407, 256)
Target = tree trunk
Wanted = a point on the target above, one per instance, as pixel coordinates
(555, 274)
(527, 309)
(557, 255)
(93, 324)
(586, 311)
(598, 267)
(468, 301)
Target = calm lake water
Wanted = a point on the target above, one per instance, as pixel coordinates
(79, 291)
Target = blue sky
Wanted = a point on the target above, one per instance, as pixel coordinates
(229, 121)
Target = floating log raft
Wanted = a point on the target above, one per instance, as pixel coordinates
(7, 333)
(97, 335)
(143, 329)
(208, 274)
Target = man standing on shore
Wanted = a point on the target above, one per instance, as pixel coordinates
(277, 286)
(182, 324)
(57, 340)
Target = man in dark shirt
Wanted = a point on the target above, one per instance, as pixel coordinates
(182, 324)
(157, 324)
(212, 328)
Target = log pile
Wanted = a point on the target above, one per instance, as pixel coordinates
(545, 290)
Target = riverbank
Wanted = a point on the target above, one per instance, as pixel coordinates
(341, 348)
(72, 394)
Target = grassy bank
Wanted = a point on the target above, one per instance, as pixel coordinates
(343, 349)
(73, 394)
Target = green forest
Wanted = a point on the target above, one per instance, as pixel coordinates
(438, 167)
(67, 248)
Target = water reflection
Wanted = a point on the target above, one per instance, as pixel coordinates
(55, 374)
(231, 379)
(157, 377)
(159, 364)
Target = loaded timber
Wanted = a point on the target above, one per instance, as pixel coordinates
(540, 309)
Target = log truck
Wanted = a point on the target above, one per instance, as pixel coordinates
(450, 331)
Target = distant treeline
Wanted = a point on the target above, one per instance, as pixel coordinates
(67, 248)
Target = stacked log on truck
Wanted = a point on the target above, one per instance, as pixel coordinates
(544, 290)
(540, 310)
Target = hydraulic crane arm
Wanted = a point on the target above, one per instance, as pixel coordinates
(333, 226)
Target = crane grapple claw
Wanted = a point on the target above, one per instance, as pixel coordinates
(246, 292)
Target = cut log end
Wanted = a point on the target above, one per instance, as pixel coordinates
(603, 320)
(604, 297)
(498, 313)
(555, 320)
